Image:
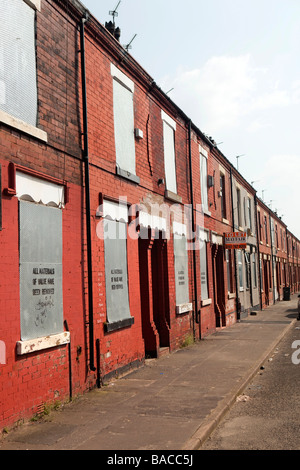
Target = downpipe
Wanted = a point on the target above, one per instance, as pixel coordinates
(238, 312)
(87, 196)
(196, 313)
(70, 363)
(258, 252)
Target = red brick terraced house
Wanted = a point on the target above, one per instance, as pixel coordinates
(114, 210)
(95, 274)
(293, 250)
(42, 327)
(215, 266)
(273, 260)
(246, 259)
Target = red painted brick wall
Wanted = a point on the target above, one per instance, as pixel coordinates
(119, 348)
(26, 382)
(34, 379)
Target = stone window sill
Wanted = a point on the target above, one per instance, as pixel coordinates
(231, 295)
(173, 196)
(45, 342)
(206, 302)
(108, 327)
(127, 175)
(183, 308)
(22, 126)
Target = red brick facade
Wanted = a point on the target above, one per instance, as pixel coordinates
(169, 306)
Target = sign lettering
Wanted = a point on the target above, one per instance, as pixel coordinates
(236, 240)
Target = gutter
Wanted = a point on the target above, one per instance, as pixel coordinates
(87, 194)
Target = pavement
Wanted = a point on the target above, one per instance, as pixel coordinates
(171, 403)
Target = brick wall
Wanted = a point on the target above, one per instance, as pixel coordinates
(28, 382)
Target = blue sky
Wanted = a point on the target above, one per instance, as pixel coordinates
(234, 68)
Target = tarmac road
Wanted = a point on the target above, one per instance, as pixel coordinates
(267, 415)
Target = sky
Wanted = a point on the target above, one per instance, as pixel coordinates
(233, 67)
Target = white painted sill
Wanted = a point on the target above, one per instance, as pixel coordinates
(206, 212)
(45, 342)
(22, 126)
(183, 308)
(35, 4)
(206, 302)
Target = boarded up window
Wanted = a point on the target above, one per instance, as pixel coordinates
(254, 270)
(203, 178)
(240, 270)
(181, 269)
(40, 270)
(230, 279)
(18, 88)
(169, 127)
(123, 121)
(247, 270)
(116, 275)
(203, 265)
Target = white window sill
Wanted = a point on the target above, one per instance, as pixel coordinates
(206, 302)
(183, 308)
(35, 4)
(231, 295)
(23, 126)
(206, 212)
(45, 342)
(173, 196)
(127, 175)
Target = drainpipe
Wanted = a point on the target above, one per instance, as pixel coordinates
(70, 362)
(238, 316)
(196, 314)
(272, 258)
(258, 250)
(87, 196)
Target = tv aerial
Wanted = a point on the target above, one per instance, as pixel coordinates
(128, 46)
(114, 12)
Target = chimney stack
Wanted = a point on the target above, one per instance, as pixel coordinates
(116, 32)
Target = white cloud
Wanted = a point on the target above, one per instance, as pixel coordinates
(227, 90)
(281, 176)
(234, 101)
(270, 99)
(257, 125)
(215, 93)
(296, 91)
(278, 170)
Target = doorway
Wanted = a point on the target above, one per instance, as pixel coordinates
(219, 286)
(266, 283)
(154, 285)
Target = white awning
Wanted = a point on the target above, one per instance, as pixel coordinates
(40, 191)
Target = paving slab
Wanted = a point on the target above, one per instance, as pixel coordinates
(172, 403)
